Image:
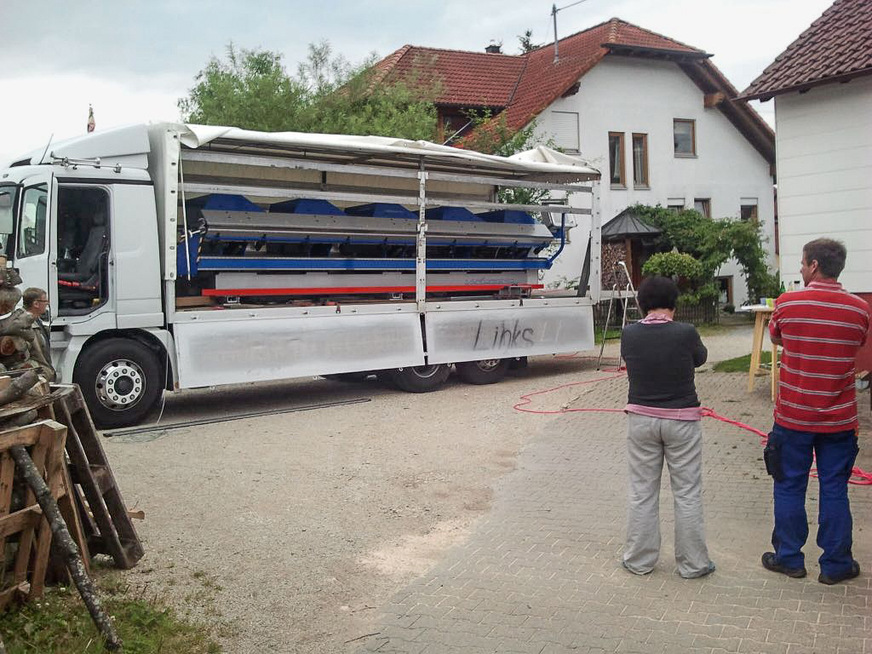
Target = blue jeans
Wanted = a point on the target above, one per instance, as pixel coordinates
(790, 461)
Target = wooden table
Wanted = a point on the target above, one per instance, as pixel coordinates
(762, 313)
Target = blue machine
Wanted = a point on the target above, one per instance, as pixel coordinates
(315, 235)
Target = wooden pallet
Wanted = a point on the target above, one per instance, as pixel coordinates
(46, 440)
(105, 521)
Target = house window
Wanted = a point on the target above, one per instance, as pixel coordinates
(640, 160)
(684, 137)
(616, 159)
(748, 209)
(675, 204)
(565, 126)
(704, 206)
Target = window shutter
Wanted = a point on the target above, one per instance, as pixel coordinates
(565, 128)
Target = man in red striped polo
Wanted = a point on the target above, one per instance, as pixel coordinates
(820, 328)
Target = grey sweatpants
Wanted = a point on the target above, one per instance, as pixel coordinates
(649, 440)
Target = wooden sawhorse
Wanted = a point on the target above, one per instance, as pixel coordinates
(761, 319)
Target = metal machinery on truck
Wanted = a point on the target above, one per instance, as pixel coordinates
(182, 256)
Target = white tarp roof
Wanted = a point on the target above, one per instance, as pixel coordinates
(127, 142)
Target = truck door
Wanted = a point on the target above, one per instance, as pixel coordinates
(31, 249)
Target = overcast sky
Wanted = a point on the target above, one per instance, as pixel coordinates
(133, 59)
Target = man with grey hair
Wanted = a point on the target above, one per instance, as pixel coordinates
(821, 328)
(35, 302)
(18, 342)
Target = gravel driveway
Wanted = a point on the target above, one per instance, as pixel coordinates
(290, 531)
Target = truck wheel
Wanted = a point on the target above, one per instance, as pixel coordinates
(120, 381)
(420, 379)
(486, 371)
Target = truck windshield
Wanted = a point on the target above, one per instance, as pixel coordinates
(8, 196)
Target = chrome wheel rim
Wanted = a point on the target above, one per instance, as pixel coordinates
(487, 365)
(120, 384)
(426, 372)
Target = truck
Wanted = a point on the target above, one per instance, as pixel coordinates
(181, 256)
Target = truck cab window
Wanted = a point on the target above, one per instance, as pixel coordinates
(34, 216)
(7, 216)
(83, 249)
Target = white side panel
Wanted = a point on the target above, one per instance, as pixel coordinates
(136, 256)
(243, 349)
(824, 152)
(500, 333)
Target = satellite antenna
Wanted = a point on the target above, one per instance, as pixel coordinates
(554, 10)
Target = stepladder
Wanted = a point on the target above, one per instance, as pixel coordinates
(628, 301)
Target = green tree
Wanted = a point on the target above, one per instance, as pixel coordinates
(251, 89)
(525, 41)
(712, 243)
(248, 88)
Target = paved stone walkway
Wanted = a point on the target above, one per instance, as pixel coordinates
(541, 573)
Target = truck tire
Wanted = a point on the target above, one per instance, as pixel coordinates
(486, 371)
(420, 379)
(120, 380)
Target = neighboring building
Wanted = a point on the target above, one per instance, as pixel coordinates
(822, 85)
(655, 115)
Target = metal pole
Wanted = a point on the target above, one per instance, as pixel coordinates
(606, 326)
(421, 243)
(554, 15)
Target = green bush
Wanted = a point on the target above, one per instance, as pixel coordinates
(673, 264)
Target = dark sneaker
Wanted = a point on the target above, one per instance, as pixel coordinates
(850, 574)
(770, 563)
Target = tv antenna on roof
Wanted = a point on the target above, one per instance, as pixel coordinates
(554, 10)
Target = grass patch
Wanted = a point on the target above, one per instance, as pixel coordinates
(740, 364)
(712, 329)
(59, 623)
(611, 335)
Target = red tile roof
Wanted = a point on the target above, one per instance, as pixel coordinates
(466, 79)
(522, 86)
(837, 47)
(544, 80)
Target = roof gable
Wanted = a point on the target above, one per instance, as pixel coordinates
(836, 47)
(522, 86)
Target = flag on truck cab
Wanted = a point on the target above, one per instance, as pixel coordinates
(91, 123)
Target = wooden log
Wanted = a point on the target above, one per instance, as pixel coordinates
(19, 387)
(67, 546)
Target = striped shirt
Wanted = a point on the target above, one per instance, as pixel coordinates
(821, 328)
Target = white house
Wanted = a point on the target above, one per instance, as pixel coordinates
(654, 115)
(822, 86)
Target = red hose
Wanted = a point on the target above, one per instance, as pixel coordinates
(859, 477)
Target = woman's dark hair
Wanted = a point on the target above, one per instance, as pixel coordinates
(829, 254)
(657, 293)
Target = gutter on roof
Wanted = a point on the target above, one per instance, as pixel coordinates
(667, 53)
(763, 96)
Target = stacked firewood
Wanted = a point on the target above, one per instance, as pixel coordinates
(59, 502)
